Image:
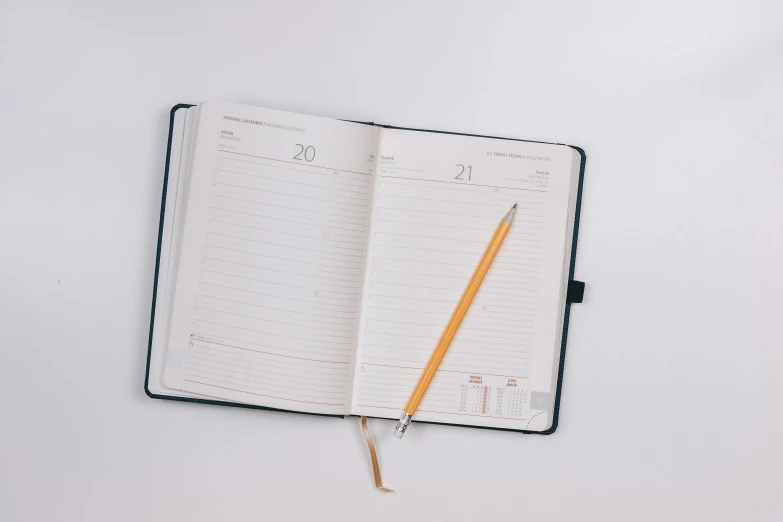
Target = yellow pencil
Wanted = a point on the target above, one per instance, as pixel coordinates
(454, 322)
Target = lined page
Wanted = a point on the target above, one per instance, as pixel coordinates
(439, 199)
(178, 174)
(272, 258)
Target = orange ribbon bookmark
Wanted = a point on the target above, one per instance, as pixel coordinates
(376, 470)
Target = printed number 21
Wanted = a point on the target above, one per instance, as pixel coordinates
(462, 170)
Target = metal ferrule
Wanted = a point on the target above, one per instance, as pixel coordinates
(402, 425)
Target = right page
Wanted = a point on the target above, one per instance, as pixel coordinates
(437, 201)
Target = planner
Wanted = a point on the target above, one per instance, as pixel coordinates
(308, 264)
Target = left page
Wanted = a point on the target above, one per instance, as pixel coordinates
(272, 258)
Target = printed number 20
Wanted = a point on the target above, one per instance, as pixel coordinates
(462, 170)
(306, 153)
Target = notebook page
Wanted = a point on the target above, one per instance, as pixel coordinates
(182, 134)
(270, 269)
(438, 200)
(174, 220)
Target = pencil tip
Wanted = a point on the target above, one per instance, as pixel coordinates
(515, 205)
(510, 215)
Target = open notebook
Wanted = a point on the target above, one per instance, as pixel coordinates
(310, 265)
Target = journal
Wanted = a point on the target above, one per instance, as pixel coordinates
(309, 264)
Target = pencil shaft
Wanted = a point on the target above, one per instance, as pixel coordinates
(459, 313)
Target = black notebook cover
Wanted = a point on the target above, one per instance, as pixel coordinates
(561, 363)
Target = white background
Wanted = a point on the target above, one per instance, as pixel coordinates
(672, 398)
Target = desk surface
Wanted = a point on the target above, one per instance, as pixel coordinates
(671, 402)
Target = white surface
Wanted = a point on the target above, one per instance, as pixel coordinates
(671, 405)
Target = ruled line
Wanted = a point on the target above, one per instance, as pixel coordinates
(450, 354)
(289, 234)
(458, 183)
(441, 288)
(262, 242)
(503, 203)
(457, 341)
(471, 189)
(293, 162)
(476, 253)
(260, 394)
(458, 227)
(270, 353)
(275, 308)
(267, 166)
(264, 203)
(438, 325)
(473, 369)
(441, 238)
(475, 415)
(442, 381)
(441, 412)
(443, 370)
(283, 272)
(201, 282)
(267, 191)
(198, 307)
(293, 378)
(274, 219)
(516, 215)
(297, 183)
(451, 301)
(494, 265)
(461, 277)
(207, 245)
(270, 364)
(477, 315)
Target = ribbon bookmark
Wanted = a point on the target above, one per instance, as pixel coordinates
(376, 470)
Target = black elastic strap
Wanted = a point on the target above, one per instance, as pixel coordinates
(576, 292)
